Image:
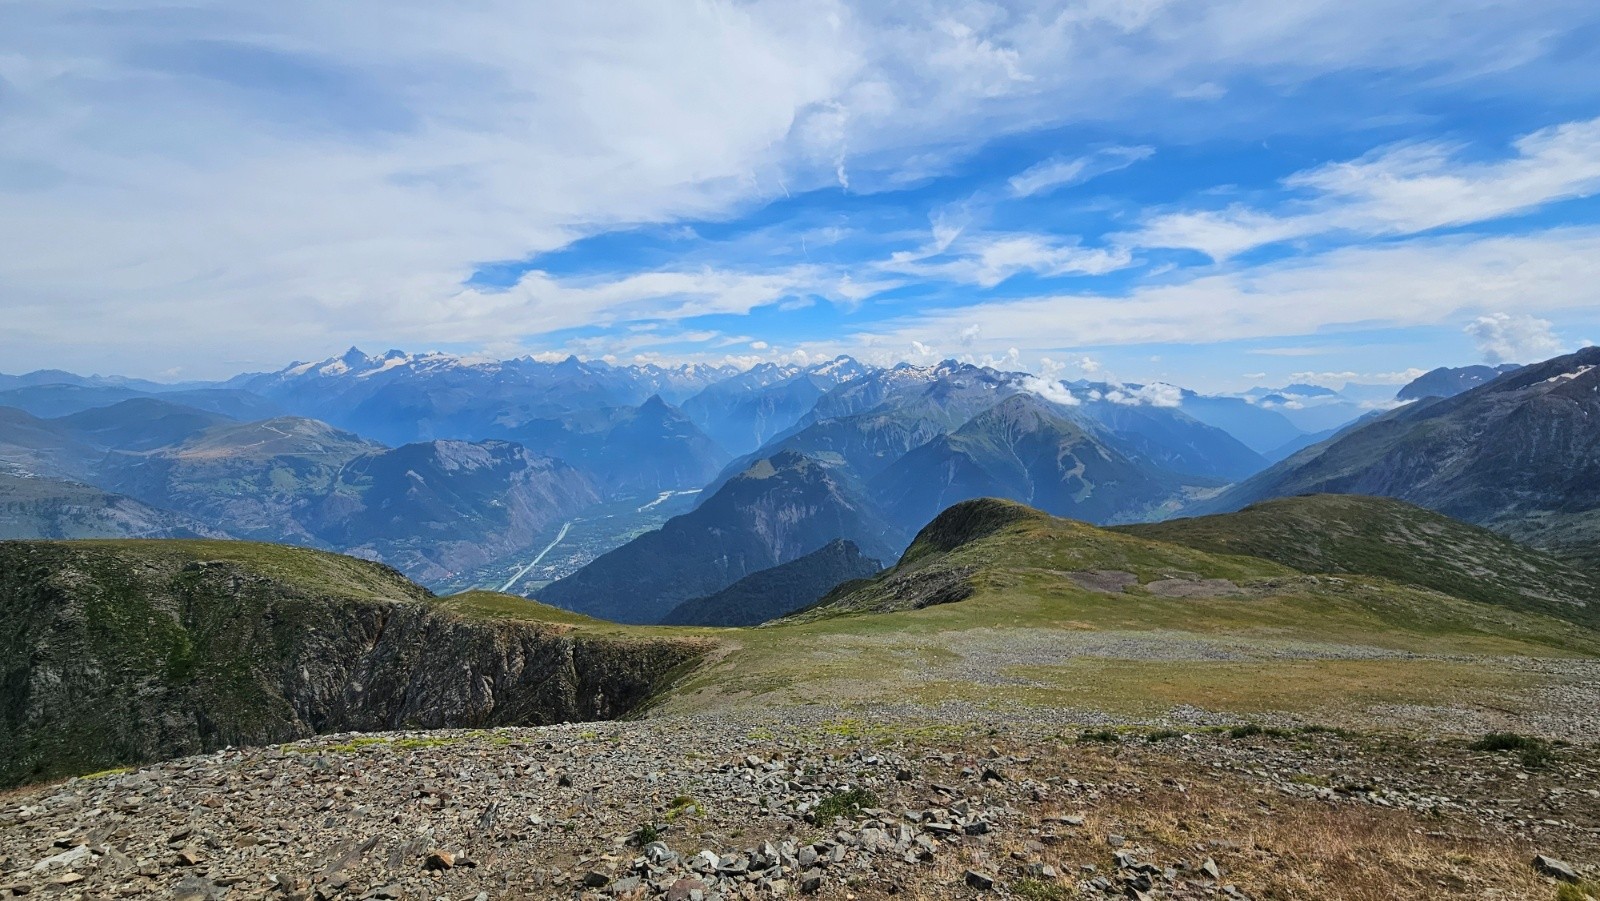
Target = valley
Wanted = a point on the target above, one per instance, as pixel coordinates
(602, 527)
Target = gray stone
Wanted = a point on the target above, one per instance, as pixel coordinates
(979, 881)
(1554, 868)
(810, 881)
(682, 889)
(194, 888)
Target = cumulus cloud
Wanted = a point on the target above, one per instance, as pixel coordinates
(1155, 394)
(239, 181)
(1508, 338)
(1051, 390)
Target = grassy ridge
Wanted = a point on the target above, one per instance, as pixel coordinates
(1028, 632)
(1330, 533)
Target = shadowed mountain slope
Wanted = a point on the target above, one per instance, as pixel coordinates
(775, 511)
(778, 591)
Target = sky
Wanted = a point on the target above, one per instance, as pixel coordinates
(1216, 194)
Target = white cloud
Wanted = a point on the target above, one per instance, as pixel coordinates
(1155, 394)
(1420, 282)
(1051, 390)
(986, 260)
(1207, 90)
(1507, 338)
(234, 181)
(1399, 190)
(1060, 172)
(1332, 379)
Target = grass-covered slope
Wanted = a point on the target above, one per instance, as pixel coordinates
(1329, 533)
(119, 652)
(996, 604)
(52, 508)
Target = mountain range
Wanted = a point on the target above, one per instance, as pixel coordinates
(1519, 454)
(445, 467)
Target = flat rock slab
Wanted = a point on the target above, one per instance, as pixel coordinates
(1103, 581)
(1193, 588)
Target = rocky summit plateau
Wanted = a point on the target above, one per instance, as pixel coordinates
(870, 804)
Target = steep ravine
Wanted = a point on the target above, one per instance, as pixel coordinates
(117, 653)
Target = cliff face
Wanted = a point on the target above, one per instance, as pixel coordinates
(127, 652)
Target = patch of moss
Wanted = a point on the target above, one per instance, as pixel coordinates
(842, 804)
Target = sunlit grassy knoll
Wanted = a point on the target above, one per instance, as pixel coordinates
(1029, 634)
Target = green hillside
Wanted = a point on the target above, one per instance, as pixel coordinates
(1329, 533)
(999, 605)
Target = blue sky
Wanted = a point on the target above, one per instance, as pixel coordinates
(1216, 194)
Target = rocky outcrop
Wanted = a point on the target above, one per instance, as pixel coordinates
(127, 652)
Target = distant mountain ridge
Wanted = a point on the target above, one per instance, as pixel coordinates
(745, 411)
(50, 508)
(1519, 454)
(1024, 449)
(160, 468)
(1448, 382)
(400, 398)
(628, 450)
(779, 509)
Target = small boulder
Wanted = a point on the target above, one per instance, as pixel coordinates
(684, 888)
(1555, 869)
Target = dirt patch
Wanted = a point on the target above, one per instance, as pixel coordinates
(1194, 588)
(1103, 581)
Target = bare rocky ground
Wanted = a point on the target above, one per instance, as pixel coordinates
(825, 804)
